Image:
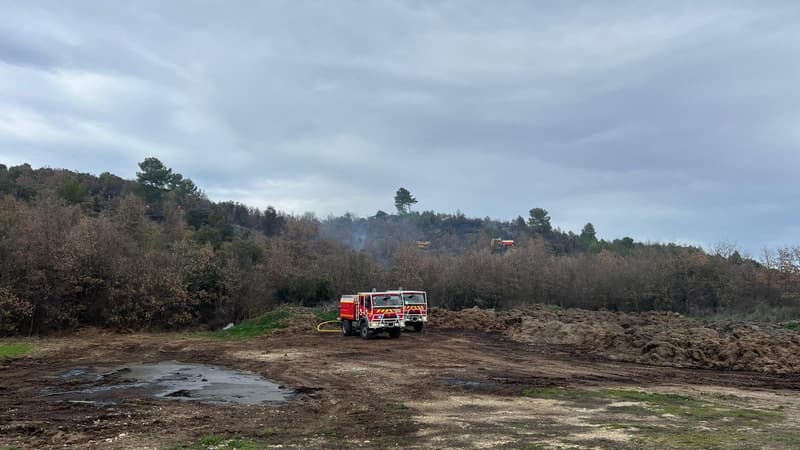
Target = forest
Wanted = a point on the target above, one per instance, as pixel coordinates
(155, 253)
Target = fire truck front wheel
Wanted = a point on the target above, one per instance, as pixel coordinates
(347, 327)
(417, 326)
(364, 329)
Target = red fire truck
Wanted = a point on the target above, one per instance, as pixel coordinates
(415, 308)
(501, 245)
(370, 313)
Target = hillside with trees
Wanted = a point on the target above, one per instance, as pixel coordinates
(155, 253)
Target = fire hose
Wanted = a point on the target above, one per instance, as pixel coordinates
(320, 330)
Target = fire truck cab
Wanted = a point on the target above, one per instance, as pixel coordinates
(415, 308)
(370, 313)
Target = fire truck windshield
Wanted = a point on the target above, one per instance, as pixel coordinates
(388, 300)
(414, 299)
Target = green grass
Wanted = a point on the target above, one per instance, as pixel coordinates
(397, 406)
(694, 439)
(723, 438)
(659, 404)
(666, 420)
(326, 314)
(211, 440)
(793, 325)
(243, 444)
(217, 442)
(259, 326)
(269, 322)
(14, 350)
(533, 446)
(617, 426)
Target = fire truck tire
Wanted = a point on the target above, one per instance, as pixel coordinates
(347, 327)
(394, 333)
(364, 330)
(417, 326)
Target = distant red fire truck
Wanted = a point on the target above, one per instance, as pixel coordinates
(501, 245)
(370, 313)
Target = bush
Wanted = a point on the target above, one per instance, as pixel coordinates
(306, 291)
(14, 312)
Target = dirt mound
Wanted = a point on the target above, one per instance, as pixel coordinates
(299, 320)
(659, 338)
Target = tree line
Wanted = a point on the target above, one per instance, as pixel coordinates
(155, 253)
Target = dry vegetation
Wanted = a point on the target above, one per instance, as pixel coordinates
(76, 250)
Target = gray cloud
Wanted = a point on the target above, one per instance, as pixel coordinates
(662, 121)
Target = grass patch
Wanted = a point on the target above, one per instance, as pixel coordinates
(326, 314)
(243, 444)
(724, 438)
(535, 446)
(793, 325)
(606, 395)
(635, 410)
(702, 439)
(397, 406)
(330, 434)
(211, 439)
(648, 397)
(579, 396)
(269, 322)
(658, 403)
(217, 442)
(259, 326)
(14, 350)
(617, 426)
(666, 420)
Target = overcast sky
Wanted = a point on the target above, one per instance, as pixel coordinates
(658, 120)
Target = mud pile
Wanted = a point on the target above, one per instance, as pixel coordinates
(658, 338)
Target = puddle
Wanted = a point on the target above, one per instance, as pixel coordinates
(79, 373)
(167, 380)
(466, 384)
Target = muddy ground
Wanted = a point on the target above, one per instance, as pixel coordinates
(442, 388)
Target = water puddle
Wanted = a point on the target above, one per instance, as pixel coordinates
(466, 384)
(166, 380)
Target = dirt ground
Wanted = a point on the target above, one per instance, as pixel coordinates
(442, 388)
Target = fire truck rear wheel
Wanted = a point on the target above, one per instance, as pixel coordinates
(417, 326)
(347, 327)
(394, 333)
(364, 329)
